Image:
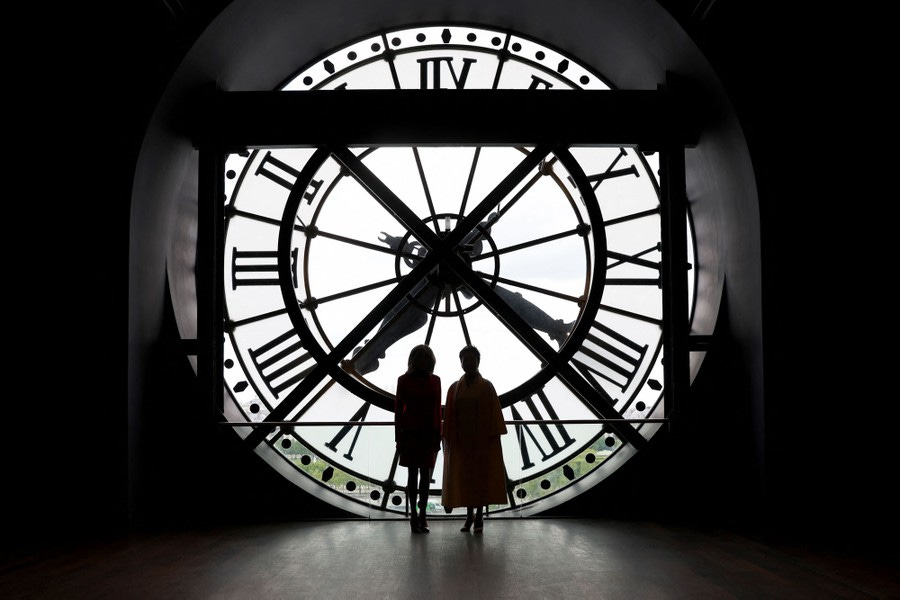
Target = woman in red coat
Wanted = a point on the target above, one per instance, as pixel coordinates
(417, 429)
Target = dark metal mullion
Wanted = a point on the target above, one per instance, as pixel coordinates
(674, 258)
(210, 290)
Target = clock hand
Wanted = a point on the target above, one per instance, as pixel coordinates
(398, 323)
(535, 316)
(403, 321)
(412, 251)
(392, 241)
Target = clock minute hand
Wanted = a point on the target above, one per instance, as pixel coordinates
(327, 362)
(392, 241)
(401, 320)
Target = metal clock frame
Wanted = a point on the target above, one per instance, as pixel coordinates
(653, 121)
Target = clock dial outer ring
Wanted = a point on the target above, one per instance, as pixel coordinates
(378, 397)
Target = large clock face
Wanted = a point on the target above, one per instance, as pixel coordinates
(338, 260)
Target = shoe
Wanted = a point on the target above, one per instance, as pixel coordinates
(479, 522)
(414, 524)
(468, 525)
(423, 524)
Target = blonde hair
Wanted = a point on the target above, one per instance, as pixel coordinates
(416, 352)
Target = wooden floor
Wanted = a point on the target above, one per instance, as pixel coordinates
(512, 558)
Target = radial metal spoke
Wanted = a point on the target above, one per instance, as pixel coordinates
(355, 242)
(314, 302)
(530, 244)
(526, 286)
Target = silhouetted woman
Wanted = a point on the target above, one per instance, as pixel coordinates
(474, 475)
(417, 429)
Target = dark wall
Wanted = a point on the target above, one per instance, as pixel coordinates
(827, 467)
(800, 87)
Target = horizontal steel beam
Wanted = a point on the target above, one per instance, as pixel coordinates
(392, 423)
(231, 121)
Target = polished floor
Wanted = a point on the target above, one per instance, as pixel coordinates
(524, 558)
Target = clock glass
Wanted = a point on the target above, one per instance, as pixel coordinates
(338, 260)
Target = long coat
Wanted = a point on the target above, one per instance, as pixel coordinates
(474, 474)
(417, 419)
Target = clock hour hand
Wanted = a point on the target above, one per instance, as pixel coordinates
(401, 321)
(535, 316)
(398, 323)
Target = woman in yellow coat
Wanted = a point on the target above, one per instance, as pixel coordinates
(474, 474)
